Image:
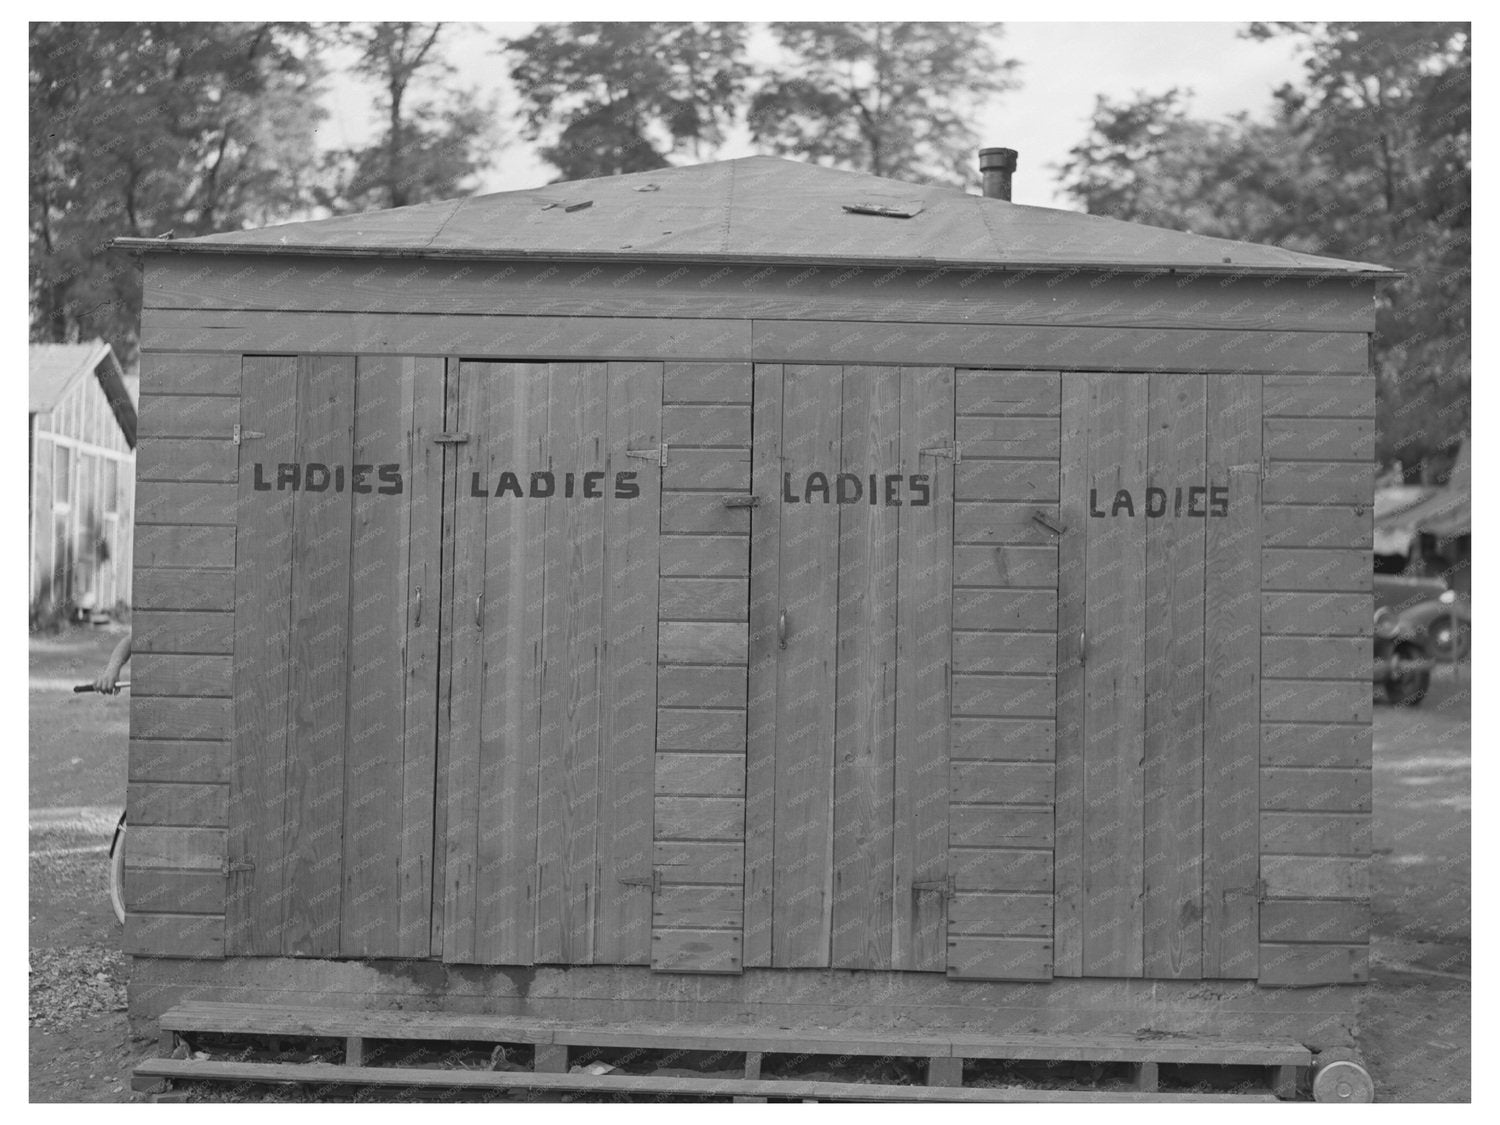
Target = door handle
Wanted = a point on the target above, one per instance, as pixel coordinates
(479, 609)
(781, 630)
(418, 621)
(1083, 647)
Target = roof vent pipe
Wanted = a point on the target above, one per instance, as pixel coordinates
(996, 165)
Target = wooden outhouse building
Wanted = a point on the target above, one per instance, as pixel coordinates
(755, 594)
(80, 485)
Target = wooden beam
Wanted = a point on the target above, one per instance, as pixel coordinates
(415, 334)
(1067, 349)
(325, 1074)
(1077, 298)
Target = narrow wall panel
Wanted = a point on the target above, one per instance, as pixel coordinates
(1231, 703)
(261, 625)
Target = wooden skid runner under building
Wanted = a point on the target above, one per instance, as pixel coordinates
(553, 1046)
(816, 602)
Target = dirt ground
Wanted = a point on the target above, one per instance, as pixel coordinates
(1415, 1021)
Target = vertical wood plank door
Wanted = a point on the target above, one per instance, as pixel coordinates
(331, 797)
(551, 712)
(1157, 797)
(847, 771)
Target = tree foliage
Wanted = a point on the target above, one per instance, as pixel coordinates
(1368, 158)
(144, 128)
(893, 99)
(608, 98)
(430, 147)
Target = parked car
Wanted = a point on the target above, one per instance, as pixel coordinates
(1427, 610)
(1403, 661)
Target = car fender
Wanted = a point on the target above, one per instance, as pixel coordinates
(1412, 624)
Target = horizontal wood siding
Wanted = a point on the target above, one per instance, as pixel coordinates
(183, 628)
(1078, 298)
(1315, 690)
(697, 923)
(894, 341)
(1000, 831)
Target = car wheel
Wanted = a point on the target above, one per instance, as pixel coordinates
(1407, 686)
(1449, 637)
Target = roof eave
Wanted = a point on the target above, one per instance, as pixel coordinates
(112, 383)
(186, 246)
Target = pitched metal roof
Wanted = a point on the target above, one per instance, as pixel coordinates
(761, 209)
(56, 368)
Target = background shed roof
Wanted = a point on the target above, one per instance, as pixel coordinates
(55, 368)
(762, 208)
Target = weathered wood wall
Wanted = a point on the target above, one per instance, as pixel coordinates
(703, 646)
(702, 326)
(1005, 683)
(182, 669)
(1315, 705)
(1078, 320)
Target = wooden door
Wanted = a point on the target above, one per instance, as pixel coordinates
(550, 718)
(846, 830)
(1158, 707)
(335, 657)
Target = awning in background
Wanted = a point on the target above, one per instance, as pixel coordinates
(1402, 513)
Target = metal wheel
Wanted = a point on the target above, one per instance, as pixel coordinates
(1342, 1080)
(117, 871)
(1407, 686)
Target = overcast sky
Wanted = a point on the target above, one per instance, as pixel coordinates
(1064, 66)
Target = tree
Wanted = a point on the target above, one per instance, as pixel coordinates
(1387, 109)
(428, 149)
(1147, 160)
(1368, 159)
(608, 98)
(894, 99)
(144, 128)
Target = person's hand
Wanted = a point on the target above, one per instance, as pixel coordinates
(105, 681)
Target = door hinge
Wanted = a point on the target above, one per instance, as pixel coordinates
(454, 438)
(237, 865)
(241, 435)
(742, 502)
(652, 880)
(949, 449)
(657, 454)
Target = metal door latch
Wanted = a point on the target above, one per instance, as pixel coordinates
(245, 435)
(652, 880)
(943, 886)
(452, 438)
(742, 502)
(1045, 522)
(656, 454)
(951, 450)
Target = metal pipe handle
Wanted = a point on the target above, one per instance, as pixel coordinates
(418, 620)
(781, 630)
(478, 609)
